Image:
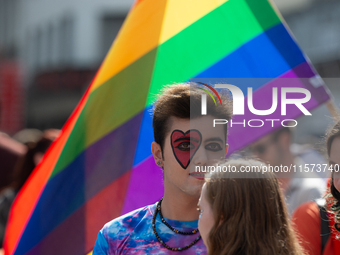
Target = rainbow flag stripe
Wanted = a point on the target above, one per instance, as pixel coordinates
(101, 166)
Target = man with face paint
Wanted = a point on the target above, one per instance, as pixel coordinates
(184, 141)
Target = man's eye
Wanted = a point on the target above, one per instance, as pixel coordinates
(185, 146)
(213, 147)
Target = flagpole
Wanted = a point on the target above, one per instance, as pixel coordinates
(333, 109)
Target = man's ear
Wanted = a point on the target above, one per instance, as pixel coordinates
(157, 153)
(226, 149)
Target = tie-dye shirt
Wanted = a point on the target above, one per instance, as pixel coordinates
(132, 233)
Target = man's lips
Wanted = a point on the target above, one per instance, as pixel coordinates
(199, 176)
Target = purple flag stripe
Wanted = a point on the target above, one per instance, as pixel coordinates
(146, 178)
(240, 136)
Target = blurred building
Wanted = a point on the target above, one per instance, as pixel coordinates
(59, 46)
(316, 26)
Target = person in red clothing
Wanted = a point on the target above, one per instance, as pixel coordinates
(313, 225)
(307, 223)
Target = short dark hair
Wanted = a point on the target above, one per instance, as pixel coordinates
(184, 101)
(26, 164)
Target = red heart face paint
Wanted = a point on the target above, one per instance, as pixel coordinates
(185, 145)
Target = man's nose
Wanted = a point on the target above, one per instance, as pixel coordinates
(200, 158)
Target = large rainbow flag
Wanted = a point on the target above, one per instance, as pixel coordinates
(101, 166)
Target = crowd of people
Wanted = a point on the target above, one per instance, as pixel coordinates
(224, 212)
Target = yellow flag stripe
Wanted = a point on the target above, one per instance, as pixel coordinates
(147, 21)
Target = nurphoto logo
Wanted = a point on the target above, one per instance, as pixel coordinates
(239, 103)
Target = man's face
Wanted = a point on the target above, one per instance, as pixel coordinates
(191, 143)
(267, 149)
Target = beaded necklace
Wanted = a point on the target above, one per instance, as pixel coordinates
(158, 210)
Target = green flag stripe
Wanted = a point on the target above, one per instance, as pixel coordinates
(207, 41)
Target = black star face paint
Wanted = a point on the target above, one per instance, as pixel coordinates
(185, 144)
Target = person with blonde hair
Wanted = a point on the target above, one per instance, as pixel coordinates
(244, 212)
